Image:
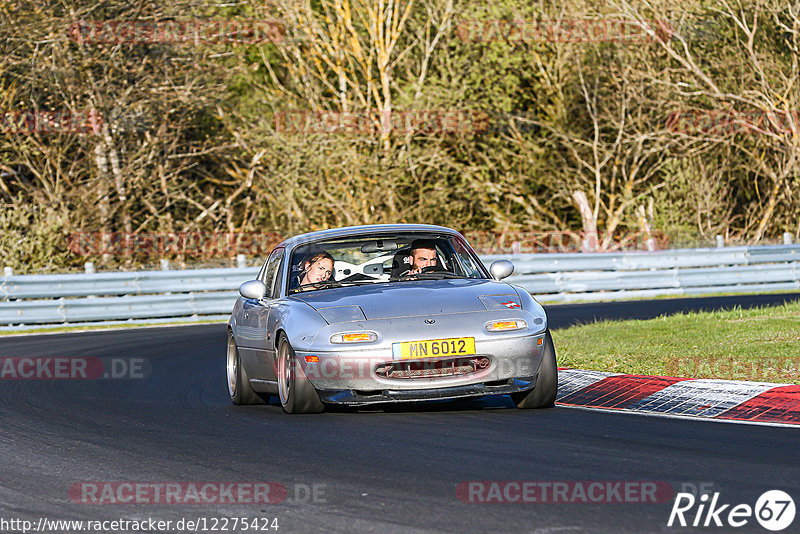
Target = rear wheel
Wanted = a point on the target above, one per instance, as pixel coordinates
(544, 392)
(239, 387)
(296, 392)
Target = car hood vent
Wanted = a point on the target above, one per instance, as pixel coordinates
(341, 314)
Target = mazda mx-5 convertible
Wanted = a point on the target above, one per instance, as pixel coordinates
(386, 313)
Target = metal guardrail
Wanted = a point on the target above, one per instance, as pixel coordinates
(80, 298)
(70, 298)
(621, 275)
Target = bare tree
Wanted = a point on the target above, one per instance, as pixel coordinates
(746, 94)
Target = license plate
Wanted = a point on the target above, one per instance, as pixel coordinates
(433, 348)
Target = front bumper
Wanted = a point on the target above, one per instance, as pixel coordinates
(356, 397)
(508, 365)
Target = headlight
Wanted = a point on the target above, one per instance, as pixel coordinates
(506, 325)
(354, 337)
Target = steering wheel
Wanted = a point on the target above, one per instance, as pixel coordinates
(428, 269)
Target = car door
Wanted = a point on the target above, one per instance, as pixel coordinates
(253, 324)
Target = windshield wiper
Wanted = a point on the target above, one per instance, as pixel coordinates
(433, 275)
(325, 284)
(364, 282)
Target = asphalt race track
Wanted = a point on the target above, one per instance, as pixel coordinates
(393, 470)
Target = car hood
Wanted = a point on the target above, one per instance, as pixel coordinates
(412, 298)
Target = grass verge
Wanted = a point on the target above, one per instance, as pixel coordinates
(760, 344)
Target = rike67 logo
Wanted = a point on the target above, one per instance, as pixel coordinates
(774, 510)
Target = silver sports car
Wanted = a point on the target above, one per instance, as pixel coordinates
(386, 313)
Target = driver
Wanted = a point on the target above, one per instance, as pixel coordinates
(423, 254)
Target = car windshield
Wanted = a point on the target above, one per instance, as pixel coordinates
(375, 259)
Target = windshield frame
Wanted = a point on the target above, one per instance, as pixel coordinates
(289, 257)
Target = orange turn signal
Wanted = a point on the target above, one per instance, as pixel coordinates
(540, 341)
(500, 326)
(354, 337)
(312, 359)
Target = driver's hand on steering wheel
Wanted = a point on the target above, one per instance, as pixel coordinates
(428, 269)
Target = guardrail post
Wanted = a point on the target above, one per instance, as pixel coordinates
(787, 238)
(8, 271)
(88, 267)
(720, 241)
(165, 265)
(241, 261)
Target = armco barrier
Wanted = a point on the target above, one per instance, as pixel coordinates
(621, 275)
(77, 298)
(72, 298)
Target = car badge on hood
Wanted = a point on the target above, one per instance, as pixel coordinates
(430, 321)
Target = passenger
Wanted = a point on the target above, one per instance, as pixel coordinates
(318, 268)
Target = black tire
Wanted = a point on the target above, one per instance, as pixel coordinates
(543, 395)
(295, 391)
(239, 388)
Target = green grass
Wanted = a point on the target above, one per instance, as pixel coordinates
(761, 344)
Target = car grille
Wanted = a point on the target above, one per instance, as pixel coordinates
(432, 368)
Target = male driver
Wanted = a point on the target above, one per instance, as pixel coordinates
(423, 254)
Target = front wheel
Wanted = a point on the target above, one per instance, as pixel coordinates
(544, 392)
(296, 392)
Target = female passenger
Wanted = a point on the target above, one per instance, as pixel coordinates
(318, 268)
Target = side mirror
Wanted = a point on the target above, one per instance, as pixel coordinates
(501, 269)
(253, 289)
